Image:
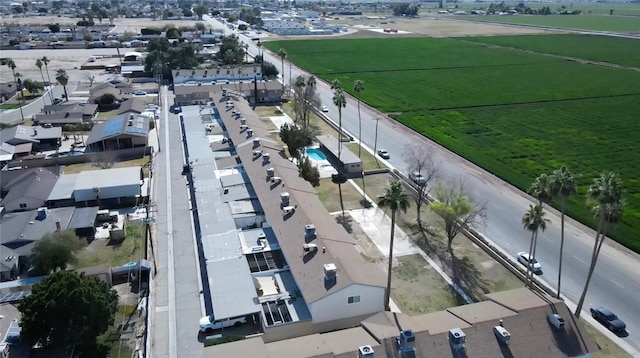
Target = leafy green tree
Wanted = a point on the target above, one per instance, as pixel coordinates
(539, 189)
(68, 311)
(201, 27)
(309, 172)
(163, 57)
(54, 251)
(55, 28)
(607, 197)
(173, 33)
(563, 185)
(32, 86)
(295, 138)
(107, 99)
(533, 221)
(269, 70)
(394, 199)
(200, 10)
(230, 51)
(456, 209)
(63, 79)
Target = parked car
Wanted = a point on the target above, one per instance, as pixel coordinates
(325, 109)
(383, 154)
(526, 259)
(208, 323)
(57, 100)
(140, 93)
(417, 178)
(608, 319)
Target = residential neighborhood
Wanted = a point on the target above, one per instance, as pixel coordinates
(175, 187)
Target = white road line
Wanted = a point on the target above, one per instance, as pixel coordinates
(579, 259)
(173, 347)
(616, 282)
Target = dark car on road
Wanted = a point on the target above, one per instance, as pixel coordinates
(608, 319)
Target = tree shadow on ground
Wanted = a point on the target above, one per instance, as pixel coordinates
(346, 221)
(426, 238)
(468, 277)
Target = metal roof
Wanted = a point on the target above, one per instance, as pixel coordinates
(83, 217)
(331, 143)
(63, 189)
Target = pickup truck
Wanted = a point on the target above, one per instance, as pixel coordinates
(417, 178)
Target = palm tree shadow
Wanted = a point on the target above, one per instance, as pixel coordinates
(346, 221)
(425, 239)
(468, 277)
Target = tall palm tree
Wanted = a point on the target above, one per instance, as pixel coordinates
(540, 189)
(358, 86)
(45, 61)
(340, 101)
(563, 185)
(63, 79)
(282, 53)
(394, 198)
(606, 191)
(12, 65)
(310, 89)
(39, 64)
(533, 221)
(335, 84)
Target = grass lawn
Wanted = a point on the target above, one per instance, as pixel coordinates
(108, 114)
(368, 160)
(77, 168)
(267, 111)
(617, 50)
(101, 251)
(7, 106)
(417, 288)
(578, 22)
(608, 349)
(516, 114)
(330, 197)
(587, 8)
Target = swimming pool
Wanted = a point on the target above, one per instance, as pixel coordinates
(316, 154)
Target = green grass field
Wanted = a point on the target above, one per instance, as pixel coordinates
(516, 114)
(616, 50)
(578, 22)
(587, 8)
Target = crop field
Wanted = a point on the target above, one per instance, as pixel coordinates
(578, 22)
(587, 8)
(616, 50)
(515, 114)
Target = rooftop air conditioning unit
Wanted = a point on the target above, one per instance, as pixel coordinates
(503, 335)
(407, 341)
(130, 123)
(284, 198)
(256, 143)
(257, 153)
(275, 180)
(243, 121)
(457, 339)
(330, 271)
(265, 157)
(309, 247)
(309, 231)
(249, 133)
(270, 172)
(365, 352)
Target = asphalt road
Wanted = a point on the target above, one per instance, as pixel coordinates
(616, 281)
(33, 108)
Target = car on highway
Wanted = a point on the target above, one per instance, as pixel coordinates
(608, 319)
(383, 154)
(325, 109)
(526, 259)
(208, 324)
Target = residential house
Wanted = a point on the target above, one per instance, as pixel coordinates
(266, 92)
(125, 131)
(7, 90)
(21, 230)
(121, 91)
(133, 105)
(27, 189)
(23, 140)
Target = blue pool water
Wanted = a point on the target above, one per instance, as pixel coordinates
(316, 154)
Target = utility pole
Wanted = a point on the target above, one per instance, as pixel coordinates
(375, 143)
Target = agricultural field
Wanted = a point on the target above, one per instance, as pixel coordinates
(615, 50)
(587, 8)
(577, 22)
(515, 114)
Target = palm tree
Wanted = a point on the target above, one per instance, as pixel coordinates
(563, 185)
(394, 198)
(63, 79)
(340, 102)
(310, 88)
(282, 53)
(39, 64)
(358, 86)
(540, 189)
(335, 84)
(12, 65)
(533, 220)
(606, 191)
(45, 61)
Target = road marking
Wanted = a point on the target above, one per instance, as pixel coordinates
(579, 259)
(616, 282)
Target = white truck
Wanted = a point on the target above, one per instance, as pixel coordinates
(208, 323)
(417, 178)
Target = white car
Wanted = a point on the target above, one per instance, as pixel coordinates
(208, 323)
(325, 109)
(140, 93)
(525, 259)
(383, 154)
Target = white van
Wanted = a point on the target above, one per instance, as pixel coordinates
(208, 323)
